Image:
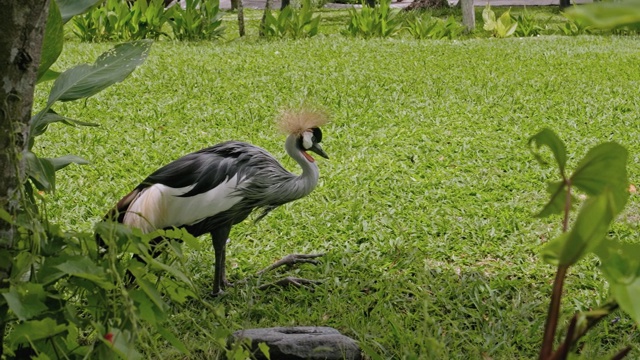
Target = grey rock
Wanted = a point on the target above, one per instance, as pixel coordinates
(302, 342)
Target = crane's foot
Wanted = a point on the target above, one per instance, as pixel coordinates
(291, 260)
(215, 293)
(291, 281)
(288, 260)
(220, 290)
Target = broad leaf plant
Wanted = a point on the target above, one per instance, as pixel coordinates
(601, 175)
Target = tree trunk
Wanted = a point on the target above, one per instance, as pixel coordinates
(468, 14)
(240, 17)
(22, 26)
(284, 4)
(263, 21)
(565, 4)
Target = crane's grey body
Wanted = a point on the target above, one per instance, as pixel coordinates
(211, 190)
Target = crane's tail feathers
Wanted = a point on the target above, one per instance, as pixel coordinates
(297, 121)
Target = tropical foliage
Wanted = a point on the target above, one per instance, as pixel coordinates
(292, 22)
(602, 176)
(116, 20)
(66, 297)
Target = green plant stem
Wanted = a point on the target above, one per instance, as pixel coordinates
(563, 350)
(567, 206)
(554, 312)
(4, 309)
(556, 295)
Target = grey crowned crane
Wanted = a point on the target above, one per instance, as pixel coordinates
(211, 190)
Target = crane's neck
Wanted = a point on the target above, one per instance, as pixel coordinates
(303, 184)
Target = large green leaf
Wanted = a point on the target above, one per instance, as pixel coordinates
(70, 8)
(608, 15)
(34, 330)
(627, 296)
(172, 339)
(604, 167)
(63, 161)
(52, 42)
(125, 345)
(546, 137)
(619, 262)
(40, 171)
(40, 122)
(170, 269)
(151, 292)
(553, 250)
(489, 18)
(557, 190)
(49, 75)
(26, 300)
(83, 267)
(556, 205)
(146, 310)
(591, 227)
(111, 67)
(176, 233)
(588, 231)
(48, 272)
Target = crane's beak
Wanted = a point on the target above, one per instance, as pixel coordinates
(316, 148)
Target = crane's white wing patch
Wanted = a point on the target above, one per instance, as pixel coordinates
(160, 206)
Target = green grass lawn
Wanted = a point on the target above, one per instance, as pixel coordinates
(425, 207)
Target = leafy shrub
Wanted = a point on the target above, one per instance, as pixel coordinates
(527, 25)
(296, 23)
(65, 298)
(502, 27)
(148, 19)
(378, 21)
(601, 176)
(621, 15)
(199, 20)
(117, 20)
(102, 23)
(575, 27)
(428, 27)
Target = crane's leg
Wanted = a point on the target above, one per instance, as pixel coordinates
(219, 238)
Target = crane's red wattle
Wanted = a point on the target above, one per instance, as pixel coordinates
(307, 156)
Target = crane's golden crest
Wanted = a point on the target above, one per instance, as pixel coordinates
(300, 120)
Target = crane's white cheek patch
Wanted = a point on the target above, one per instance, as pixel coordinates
(307, 141)
(160, 206)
